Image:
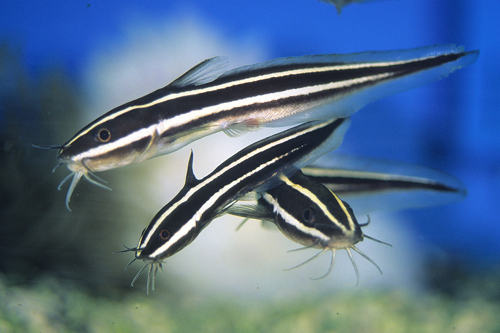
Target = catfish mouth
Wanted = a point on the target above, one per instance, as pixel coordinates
(344, 241)
(338, 239)
(62, 156)
(78, 169)
(342, 244)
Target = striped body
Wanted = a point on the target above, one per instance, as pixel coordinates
(370, 184)
(353, 182)
(280, 92)
(310, 214)
(255, 167)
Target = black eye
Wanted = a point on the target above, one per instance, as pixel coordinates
(164, 234)
(103, 135)
(308, 215)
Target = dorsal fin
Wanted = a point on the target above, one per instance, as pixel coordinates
(206, 71)
(190, 177)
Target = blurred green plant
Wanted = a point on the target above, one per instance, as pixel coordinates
(53, 305)
(37, 234)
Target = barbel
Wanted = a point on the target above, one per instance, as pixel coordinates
(280, 92)
(254, 168)
(310, 214)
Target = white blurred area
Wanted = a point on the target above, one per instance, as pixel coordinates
(249, 262)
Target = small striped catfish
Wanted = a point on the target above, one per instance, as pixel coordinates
(310, 214)
(370, 184)
(307, 210)
(280, 92)
(253, 168)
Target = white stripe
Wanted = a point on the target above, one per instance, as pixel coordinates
(248, 80)
(292, 221)
(123, 142)
(184, 230)
(319, 203)
(183, 119)
(209, 203)
(234, 164)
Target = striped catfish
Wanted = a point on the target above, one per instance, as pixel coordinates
(307, 209)
(310, 214)
(254, 168)
(280, 92)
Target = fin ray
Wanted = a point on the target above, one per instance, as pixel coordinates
(205, 72)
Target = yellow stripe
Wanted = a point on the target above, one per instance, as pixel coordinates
(319, 203)
(290, 219)
(344, 208)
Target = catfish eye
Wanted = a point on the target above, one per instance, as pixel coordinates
(164, 234)
(103, 135)
(308, 215)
